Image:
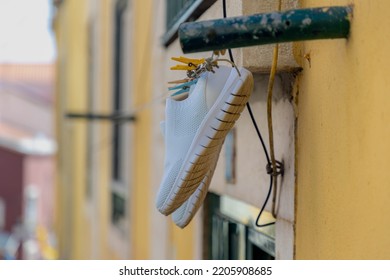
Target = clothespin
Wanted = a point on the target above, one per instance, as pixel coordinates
(184, 67)
(184, 85)
(186, 60)
(179, 81)
(195, 67)
(184, 90)
(190, 63)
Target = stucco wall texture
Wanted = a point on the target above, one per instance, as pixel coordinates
(342, 153)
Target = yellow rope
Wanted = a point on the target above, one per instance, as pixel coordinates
(269, 117)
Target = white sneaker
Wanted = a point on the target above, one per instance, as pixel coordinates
(195, 130)
(184, 214)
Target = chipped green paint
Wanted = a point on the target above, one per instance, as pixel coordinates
(261, 29)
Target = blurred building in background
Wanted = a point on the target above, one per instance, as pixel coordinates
(27, 160)
(330, 118)
(104, 200)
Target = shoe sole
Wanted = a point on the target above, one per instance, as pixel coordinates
(208, 139)
(192, 205)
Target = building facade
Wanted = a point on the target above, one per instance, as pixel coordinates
(329, 121)
(27, 161)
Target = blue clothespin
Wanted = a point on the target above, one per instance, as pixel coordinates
(181, 91)
(187, 84)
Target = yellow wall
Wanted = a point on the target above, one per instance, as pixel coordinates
(71, 27)
(343, 183)
(183, 242)
(74, 222)
(141, 196)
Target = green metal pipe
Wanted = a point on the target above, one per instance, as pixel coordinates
(261, 29)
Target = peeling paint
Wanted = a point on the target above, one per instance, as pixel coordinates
(306, 21)
(277, 18)
(263, 20)
(289, 14)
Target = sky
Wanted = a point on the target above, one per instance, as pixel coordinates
(25, 31)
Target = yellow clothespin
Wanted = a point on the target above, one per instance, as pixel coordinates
(190, 63)
(184, 67)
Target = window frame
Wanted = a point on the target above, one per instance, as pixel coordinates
(192, 10)
(119, 133)
(232, 235)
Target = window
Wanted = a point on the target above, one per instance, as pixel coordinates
(117, 96)
(119, 146)
(231, 234)
(178, 11)
(118, 207)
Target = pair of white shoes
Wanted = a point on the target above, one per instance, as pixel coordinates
(194, 131)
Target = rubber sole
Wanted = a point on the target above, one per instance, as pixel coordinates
(208, 140)
(183, 215)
